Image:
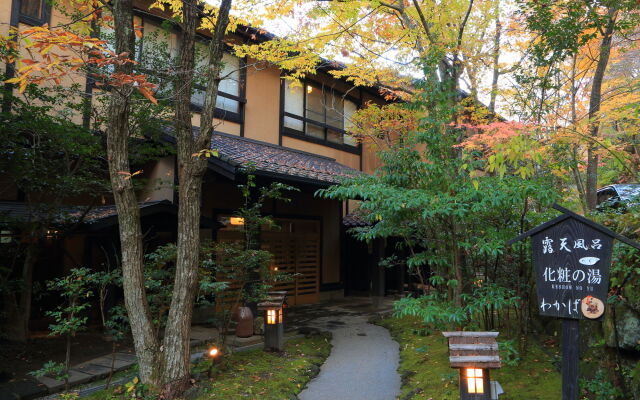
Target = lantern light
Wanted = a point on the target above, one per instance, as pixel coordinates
(236, 221)
(271, 317)
(475, 380)
(213, 352)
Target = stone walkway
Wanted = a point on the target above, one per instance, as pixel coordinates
(363, 363)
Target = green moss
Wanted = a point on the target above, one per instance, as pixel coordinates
(259, 375)
(425, 371)
(254, 374)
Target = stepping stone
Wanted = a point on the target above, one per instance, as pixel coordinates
(126, 357)
(202, 333)
(236, 341)
(93, 369)
(106, 362)
(75, 378)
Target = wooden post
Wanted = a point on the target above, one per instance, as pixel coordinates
(377, 271)
(570, 358)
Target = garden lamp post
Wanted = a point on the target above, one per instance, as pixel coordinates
(273, 307)
(213, 354)
(474, 354)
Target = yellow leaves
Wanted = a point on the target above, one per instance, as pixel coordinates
(46, 49)
(206, 153)
(21, 81)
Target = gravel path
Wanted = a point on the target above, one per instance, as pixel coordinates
(363, 362)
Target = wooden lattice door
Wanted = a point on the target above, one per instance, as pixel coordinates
(296, 250)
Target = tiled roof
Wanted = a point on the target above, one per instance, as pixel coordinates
(108, 211)
(12, 211)
(277, 160)
(354, 219)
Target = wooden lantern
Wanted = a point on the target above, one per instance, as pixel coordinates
(474, 354)
(273, 307)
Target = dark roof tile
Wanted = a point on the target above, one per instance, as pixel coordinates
(268, 157)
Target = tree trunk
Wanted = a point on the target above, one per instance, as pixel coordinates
(176, 349)
(27, 291)
(144, 339)
(496, 59)
(594, 110)
(17, 308)
(191, 169)
(574, 153)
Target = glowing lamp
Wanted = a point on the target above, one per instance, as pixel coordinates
(274, 316)
(475, 381)
(475, 354)
(213, 352)
(236, 221)
(273, 320)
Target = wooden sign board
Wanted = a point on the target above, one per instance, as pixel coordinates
(572, 262)
(572, 258)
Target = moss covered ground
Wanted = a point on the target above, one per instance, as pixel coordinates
(425, 371)
(260, 375)
(247, 375)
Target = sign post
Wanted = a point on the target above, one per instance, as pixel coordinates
(572, 258)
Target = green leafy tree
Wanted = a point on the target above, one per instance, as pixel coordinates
(562, 28)
(452, 220)
(75, 289)
(244, 263)
(49, 159)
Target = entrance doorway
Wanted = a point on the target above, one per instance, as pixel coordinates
(296, 251)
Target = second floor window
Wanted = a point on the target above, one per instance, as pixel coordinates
(229, 93)
(318, 112)
(34, 12)
(157, 55)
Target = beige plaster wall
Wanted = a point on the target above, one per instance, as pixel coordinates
(262, 110)
(160, 178)
(219, 125)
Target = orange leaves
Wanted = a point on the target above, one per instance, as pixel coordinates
(128, 175)
(148, 94)
(504, 145)
(53, 53)
(490, 135)
(56, 53)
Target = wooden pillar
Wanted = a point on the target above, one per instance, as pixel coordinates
(570, 358)
(273, 337)
(400, 277)
(377, 271)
